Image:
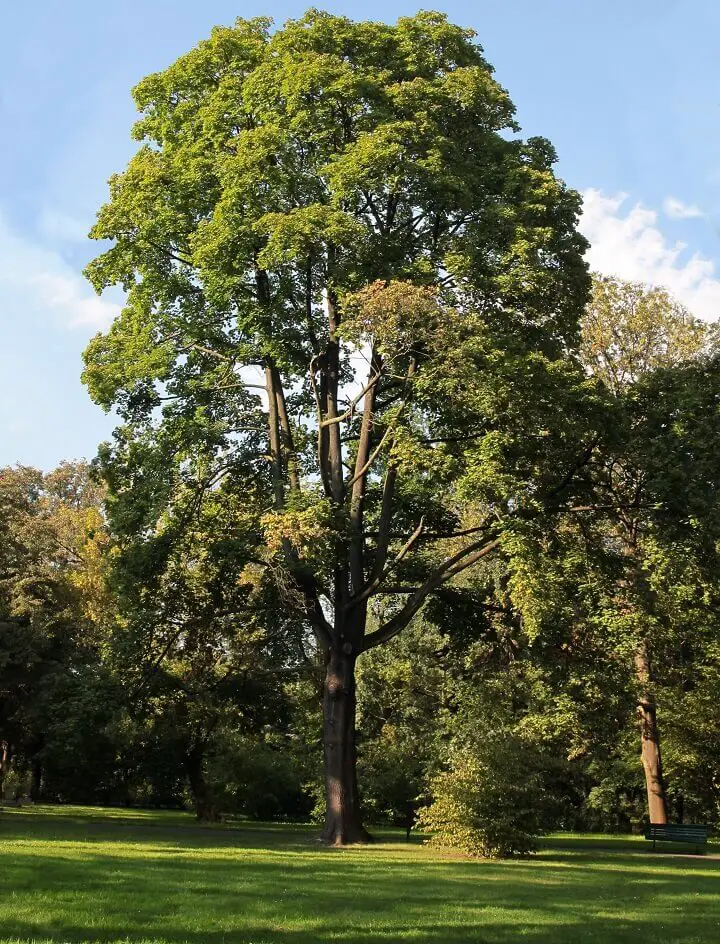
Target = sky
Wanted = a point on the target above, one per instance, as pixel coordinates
(628, 92)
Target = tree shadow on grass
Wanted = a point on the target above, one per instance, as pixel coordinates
(85, 881)
(187, 836)
(594, 846)
(582, 929)
(311, 898)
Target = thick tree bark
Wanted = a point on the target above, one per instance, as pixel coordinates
(650, 740)
(205, 809)
(343, 820)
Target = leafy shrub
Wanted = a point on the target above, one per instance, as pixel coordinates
(14, 786)
(488, 803)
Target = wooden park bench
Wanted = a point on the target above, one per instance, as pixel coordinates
(678, 832)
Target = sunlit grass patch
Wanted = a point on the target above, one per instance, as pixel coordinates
(86, 875)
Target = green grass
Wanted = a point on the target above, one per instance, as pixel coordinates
(74, 874)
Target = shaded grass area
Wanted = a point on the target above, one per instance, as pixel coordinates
(74, 874)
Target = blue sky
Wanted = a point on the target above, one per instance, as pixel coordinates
(628, 92)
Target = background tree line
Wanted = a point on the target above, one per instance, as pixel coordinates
(513, 704)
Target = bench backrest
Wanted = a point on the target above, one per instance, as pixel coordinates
(677, 831)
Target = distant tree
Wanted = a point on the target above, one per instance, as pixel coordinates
(659, 481)
(53, 596)
(201, 642)
(630, 329)
(404, 693)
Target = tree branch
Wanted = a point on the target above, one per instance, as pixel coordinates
(274, 437)
(332, 373)
(363, 461)
(372, 586)
(360, 474)
(286, 435)
(354, 402)
(322, 446)
(575, 468)
(454, 565)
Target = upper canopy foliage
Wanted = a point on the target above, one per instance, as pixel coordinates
(309, 198)
(354, 151)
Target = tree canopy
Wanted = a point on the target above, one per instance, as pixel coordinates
(343, 211)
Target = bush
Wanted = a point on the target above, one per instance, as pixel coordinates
(14, 786)
(489, 802)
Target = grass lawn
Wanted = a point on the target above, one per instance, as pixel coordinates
(74, 874)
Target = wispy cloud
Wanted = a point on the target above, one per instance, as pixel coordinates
(62, 227)
(36, 281)
(677, 210)
(68, 297)
(627, 242)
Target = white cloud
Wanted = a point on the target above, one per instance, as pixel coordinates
(677, 210)
(37, 281)
(627, 242)
(62, 227)
(68, 296)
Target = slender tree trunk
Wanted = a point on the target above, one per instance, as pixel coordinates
(205, 809)
(646, 708)
(5, 761)
(36, 782)
(650, 739)
(343, 821)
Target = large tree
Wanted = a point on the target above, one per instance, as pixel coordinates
(352, 289)
(658, 481)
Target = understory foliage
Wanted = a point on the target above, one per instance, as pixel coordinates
(487, 803)
(488, 722)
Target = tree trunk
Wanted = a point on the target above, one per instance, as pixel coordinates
(205, 809)
(650, 740)
(5, 761)
(36, 782)
(343, 821)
